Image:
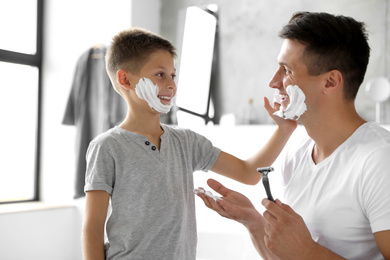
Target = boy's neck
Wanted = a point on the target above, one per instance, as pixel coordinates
(146, 125)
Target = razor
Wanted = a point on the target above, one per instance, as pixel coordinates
(264, 173)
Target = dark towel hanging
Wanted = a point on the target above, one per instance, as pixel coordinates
(93, 107)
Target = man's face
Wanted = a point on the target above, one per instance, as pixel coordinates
(293, 71)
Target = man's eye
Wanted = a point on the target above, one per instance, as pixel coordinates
(160, 74)
(173, 77)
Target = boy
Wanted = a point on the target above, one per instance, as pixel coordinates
(144, 168)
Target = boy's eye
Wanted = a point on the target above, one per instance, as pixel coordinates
(163, 75)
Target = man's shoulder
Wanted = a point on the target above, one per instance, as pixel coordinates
(372, 134)
(378, 131)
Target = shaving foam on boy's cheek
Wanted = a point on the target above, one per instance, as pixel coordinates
(146, 90)
(297, 105)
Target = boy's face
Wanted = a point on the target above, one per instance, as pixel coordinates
(160, 69)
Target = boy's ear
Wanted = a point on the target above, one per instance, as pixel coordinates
(334, 81)
(124, 79)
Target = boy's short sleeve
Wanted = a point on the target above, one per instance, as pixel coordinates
(100, 172)
(205, 154)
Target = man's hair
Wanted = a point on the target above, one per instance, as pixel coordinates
(131, 48)
(331, 43)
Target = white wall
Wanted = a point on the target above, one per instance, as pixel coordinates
(146, 14)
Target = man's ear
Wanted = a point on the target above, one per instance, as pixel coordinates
(334, 81)
(124, 79)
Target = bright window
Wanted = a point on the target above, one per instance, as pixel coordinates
(18, 30)
(20, 65)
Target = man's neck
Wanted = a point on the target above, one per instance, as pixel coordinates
(330, 133)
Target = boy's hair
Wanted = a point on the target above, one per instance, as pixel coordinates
(130, 50)
(332, 43)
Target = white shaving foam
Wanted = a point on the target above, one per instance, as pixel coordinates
(146, 90)
(208, 194)
(279, 98)
(297, 105)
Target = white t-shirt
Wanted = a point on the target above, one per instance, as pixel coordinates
(345, 198)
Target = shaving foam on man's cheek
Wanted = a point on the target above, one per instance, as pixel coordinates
(277, 97)
(146, 90)
(297, 105)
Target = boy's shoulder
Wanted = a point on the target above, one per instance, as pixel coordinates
(109, 136)
(178, 131)
(173, 128)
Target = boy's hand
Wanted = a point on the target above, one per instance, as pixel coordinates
(282, 123)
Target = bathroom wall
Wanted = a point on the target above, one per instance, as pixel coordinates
(249, 45)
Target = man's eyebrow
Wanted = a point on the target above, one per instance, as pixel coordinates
(284, 64)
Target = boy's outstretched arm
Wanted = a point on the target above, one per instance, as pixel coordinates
(245, 170)
(96, 205)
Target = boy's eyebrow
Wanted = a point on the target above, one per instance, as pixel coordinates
(162, 67)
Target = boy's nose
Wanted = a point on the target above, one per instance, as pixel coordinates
(171, 84)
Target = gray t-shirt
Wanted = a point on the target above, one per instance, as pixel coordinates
(153, 207)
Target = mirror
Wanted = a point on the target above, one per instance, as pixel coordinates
(196, 65)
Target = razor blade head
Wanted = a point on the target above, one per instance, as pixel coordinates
(265, 169)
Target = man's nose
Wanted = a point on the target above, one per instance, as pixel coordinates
(276, 81)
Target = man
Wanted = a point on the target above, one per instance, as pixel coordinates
(337, 182)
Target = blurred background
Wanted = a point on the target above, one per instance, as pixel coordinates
(42, 42)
